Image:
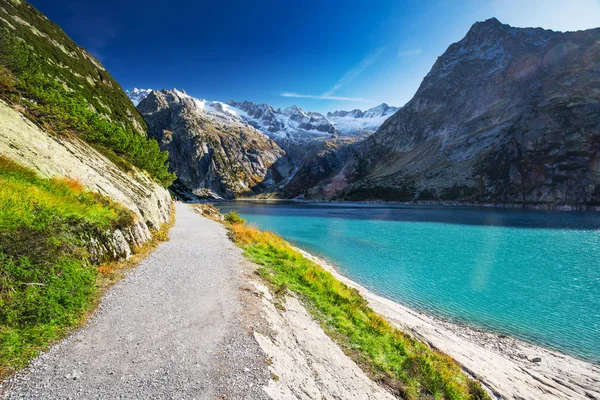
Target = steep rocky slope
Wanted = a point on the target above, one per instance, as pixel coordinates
(63, 115)
(72, 66)
(214, 152)
(50, 156)
(506, 115)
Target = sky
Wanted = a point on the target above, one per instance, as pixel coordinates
(320, 55)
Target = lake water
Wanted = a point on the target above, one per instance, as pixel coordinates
(533, 275)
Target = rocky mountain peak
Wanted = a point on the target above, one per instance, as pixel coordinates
(215, 152)
(136, 95)
(505, 115)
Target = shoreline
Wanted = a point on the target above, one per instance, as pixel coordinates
(433, 203)
(506, 366)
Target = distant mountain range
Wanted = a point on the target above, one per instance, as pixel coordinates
(506, 115)
(293, 123)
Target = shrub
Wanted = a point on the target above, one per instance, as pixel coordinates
(233, 217)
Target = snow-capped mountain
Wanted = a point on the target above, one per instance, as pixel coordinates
(136, 95)
(291, 123)
(215, 152)
(360, 122)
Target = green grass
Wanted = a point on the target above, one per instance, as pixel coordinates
(68, 94)
(47, 281)
(389, 355)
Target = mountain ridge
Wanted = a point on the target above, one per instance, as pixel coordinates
(505, 115)
(297, 124)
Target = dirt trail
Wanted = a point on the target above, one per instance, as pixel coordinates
(174, 328)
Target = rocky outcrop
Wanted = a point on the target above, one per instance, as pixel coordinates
(52, 156)
(506, 115)
(213, 152)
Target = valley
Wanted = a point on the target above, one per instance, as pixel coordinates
(307, 240)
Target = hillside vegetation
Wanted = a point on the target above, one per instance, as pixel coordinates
(67, 91)
(47, 281)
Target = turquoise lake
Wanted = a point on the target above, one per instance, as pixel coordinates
(529, 274)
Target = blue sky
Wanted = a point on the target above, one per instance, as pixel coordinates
(320, 55)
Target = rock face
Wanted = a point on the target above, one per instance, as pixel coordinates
(506, 115)
(213, 151)
(51, 156)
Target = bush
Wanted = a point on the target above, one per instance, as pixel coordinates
(233, 217)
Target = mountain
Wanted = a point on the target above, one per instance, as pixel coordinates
(214, 152)
(306, 138)
(290, 124)
(136, 95)
(506, 115)
(357, 122)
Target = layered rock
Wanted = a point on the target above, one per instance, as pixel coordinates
(51, 156)
(506, 115)
(213, 151)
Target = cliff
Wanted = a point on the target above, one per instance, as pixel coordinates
(214, 155)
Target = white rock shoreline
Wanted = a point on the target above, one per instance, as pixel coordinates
(503, 364)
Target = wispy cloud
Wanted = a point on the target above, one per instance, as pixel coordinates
(355, 72)
(348, 77)
(323, 97)
(409, 53)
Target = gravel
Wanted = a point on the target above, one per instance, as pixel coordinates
(174, 328)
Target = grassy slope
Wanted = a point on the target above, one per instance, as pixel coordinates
(389, 355)
(47, 282)
(64, 89)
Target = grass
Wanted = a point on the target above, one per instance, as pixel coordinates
(390, 356)
(48, 283)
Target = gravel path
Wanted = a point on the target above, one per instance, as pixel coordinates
(174, 328)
